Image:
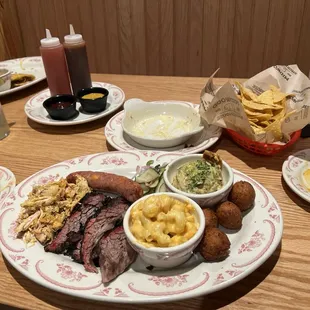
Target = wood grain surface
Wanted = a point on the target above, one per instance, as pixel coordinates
(167, 37)
(280, 283)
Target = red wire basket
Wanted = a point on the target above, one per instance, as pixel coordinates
(261, 148)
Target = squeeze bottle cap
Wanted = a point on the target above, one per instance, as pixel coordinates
(49, 41)
(73, 37)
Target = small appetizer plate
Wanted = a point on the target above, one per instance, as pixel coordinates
(35, 111)
(296, 173)
(122, 142)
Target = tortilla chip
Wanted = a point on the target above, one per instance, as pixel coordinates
(279, 114)
(266, 97)
(265, 112)
(275, 128)
(259, 106)
(254, 114)
(246, 93)
(265, 123)
(278, 96)
(258, 130)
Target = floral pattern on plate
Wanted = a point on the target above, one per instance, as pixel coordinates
(7, 184)
(250, 247)
(36, 112)
(292, 170)
(26, 65)
(122, 142)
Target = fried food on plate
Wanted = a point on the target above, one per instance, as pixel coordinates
(18, 79)
(242, 194)
(214, 245)
(210, 218)
(229, 215)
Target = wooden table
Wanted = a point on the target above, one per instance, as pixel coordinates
(281, 283)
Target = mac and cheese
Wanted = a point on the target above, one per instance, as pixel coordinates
(163, 221)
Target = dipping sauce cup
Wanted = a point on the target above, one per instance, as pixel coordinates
(93, 99)
(61, 107)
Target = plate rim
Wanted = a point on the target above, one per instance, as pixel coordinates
(12, 175)
(196, 150)
(69, 123)
(13, 90)
(159, 299)
(299, 193)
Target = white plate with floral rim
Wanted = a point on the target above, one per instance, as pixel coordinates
(122, 142)
(26, 65)
(292, 172)
(250, 247)
(7, 183)
(34, 107)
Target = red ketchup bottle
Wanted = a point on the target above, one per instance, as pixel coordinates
(54, 60)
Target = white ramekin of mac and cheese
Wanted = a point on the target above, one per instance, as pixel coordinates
(164, 228)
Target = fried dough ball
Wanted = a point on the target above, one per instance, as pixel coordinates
(210, 217)
(229, 215)
(214, 245)
(242, 194)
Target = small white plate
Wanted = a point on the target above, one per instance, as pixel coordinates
(122, 142)
(292, 170)
(7, 183)
(35, 110)
(27, 65)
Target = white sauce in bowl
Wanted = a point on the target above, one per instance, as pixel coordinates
(162, 126)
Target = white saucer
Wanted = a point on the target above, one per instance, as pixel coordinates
(35, 110)
(122, 142)
(292, 170)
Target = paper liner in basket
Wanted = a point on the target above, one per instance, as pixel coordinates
(221, 107)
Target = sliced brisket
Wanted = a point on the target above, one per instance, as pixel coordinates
(97, 227)
(72, 231)
(115, 254)
(76, 253)
(94, 198)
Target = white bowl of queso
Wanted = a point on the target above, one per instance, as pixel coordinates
(160, 124)
(161, 239)
(209, 199)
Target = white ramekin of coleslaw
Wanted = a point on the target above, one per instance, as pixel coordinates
(164, 228)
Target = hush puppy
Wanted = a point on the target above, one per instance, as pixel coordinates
(242, 194)
(214, 245)
(210, 217)
(229, 215)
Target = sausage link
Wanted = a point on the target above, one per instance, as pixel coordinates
(109, 182)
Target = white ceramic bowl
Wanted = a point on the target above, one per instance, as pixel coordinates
(204, 200)
(5, 79)
(167, 257)
(137, 111)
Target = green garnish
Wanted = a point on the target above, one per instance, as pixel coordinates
(199, 177)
